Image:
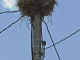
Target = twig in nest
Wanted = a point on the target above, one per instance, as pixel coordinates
(24, 19)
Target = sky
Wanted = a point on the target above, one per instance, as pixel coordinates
(15, 42)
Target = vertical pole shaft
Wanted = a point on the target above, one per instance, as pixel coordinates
(37, 36)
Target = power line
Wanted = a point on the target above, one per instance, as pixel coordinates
(52, 40)
(9, 12)
(11, 24)
(32, 39)
(64, 38)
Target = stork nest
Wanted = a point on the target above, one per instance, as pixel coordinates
(29, 7)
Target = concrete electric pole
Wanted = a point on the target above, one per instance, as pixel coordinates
(37, 36)
(37, 43)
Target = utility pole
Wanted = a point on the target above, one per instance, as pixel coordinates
(37, 43)
(37, 36)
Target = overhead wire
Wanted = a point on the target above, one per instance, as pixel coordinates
(42, 49)
(9, 12)
(11, 24)
(64, 38)
(32, 39)
(32, 28)
(52, 41)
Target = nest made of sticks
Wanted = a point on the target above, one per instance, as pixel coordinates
(29, 7)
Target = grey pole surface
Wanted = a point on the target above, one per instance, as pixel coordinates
(37, 36)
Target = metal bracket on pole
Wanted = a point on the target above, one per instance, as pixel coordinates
(43, 43)
(43, 50)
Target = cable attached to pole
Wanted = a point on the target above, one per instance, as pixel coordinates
(52, 40)
(32, 28)
(64, 38)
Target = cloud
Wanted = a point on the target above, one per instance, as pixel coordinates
(11, 4)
